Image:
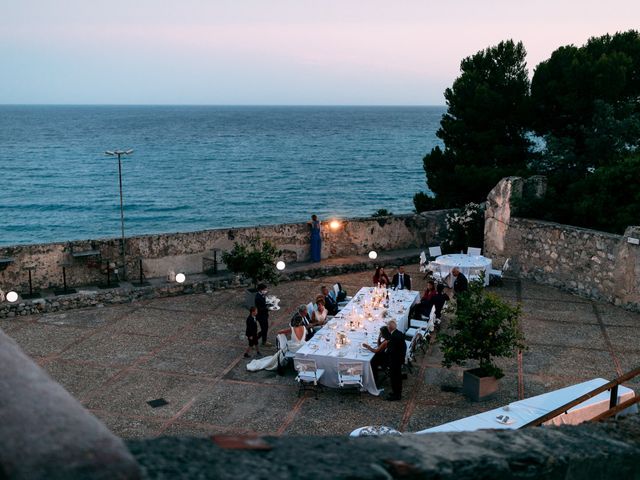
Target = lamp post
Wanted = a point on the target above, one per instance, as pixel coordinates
(119, 154)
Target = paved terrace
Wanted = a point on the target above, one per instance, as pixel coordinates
(188, 350)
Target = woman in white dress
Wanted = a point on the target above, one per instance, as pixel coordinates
(298, 334)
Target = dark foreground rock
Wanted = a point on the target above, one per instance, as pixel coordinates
(594, 451)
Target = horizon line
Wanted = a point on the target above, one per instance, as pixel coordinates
(214, 105)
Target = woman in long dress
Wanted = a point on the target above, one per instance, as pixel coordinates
(298, 334)
(316, 242)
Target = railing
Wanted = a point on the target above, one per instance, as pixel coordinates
(613, 402)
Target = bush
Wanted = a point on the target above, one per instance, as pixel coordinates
(255, 259)
(465, 228)
(381, 212)
(485, 327)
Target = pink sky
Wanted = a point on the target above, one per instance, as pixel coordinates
(273, 52)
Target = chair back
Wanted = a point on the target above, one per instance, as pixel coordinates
(310, 309)
(423, 258)
(505, 267)
(474, 251)
(281, 343)
(413, 345)
(305, 365)
(336, 290)
(435, 252)
(350, 368)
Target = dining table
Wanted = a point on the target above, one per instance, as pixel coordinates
(341, 338)
(469, 265)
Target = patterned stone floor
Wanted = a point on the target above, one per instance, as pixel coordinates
(188, 350)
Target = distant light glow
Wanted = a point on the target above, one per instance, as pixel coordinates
(281, 265)
(334, 224)
(12, 297)
(373, 254)
(180, 277)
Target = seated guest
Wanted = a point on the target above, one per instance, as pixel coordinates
(439, 299)
(401, 280)
(298, 334)
(425, 305)
(302, 316)
(460, 284)
(380, 277)
(330, 302)
(319, 315)
(379, 359)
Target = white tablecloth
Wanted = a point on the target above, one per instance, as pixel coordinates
(465, 263)
(322, 347)
(524, 411)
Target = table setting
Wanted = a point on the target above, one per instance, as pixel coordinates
(469, 265)
(359, 322)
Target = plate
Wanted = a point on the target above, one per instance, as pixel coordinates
(504, 420)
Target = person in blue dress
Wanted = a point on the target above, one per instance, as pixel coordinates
(316, 242)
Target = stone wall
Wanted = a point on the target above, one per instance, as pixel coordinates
(597, 265)
(185, 251)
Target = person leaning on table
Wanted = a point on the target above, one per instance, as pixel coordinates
(379, 359)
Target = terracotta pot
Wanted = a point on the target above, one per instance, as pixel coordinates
(478, 387)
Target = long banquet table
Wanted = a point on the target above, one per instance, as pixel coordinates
(359, 321)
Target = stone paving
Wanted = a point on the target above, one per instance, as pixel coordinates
(189, 351)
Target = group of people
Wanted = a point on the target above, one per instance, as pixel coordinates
(400, 281)
(390, 352)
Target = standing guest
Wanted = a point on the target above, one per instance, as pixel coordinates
(263, 313)
(329, 301)
(316, 242)
(252, 332)
(401, 280)
(396, 350)
(319, 315)
(380, 277)
(460, 284)
(379, 359)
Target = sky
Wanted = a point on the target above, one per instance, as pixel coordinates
(273, 52)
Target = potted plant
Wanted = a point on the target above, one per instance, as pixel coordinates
(255, 259)
(484, 328)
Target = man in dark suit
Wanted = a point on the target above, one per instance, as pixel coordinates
(460, 284)
(396, 351)
(263, 313)
(401, 280)
(330, 303)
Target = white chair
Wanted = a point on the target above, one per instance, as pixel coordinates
(308, 374)
(410, 354)
(425, 322)
(336, 291)
(285, 355)
(475, 274)
(435, 252)
(310, 309)
(436, 272)
(423, 262)
(498, 273)
(350, 375)
(474, 251)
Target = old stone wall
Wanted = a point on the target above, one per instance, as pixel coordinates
(597, 265)
(185, 251)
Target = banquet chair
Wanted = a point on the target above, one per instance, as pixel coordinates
(425, 322)
(435, 252)
(308, 375)
(285, 355)
(410, 356)
(350, 375)
(310, 309)
(425, 336)
(436, 272)
(475, 274)
(424, 267)
(336, 291)
(474, 251)
(498, 273)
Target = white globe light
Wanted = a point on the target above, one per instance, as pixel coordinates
(280, 265)
(12, 297)
(180, 277)
(373, 254)
(334, 224)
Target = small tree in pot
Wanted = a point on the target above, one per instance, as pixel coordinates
(256, 260)
(484, 328)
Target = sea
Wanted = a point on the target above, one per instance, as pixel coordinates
(202, 167)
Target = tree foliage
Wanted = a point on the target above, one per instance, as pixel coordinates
(484, 328)
(254, 258)
(484, 129)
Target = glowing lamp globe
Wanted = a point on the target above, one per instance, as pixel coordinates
(180, 277)
(280, 265)
(334, 224)
(12, 297)
(373, 254)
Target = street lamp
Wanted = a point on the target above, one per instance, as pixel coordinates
(120, 153)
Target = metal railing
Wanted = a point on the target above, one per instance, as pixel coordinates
(613, 402)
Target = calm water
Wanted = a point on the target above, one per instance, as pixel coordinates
(204, 167)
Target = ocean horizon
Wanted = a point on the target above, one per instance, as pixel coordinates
(197, 167)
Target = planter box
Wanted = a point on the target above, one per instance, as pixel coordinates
(478, 388)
